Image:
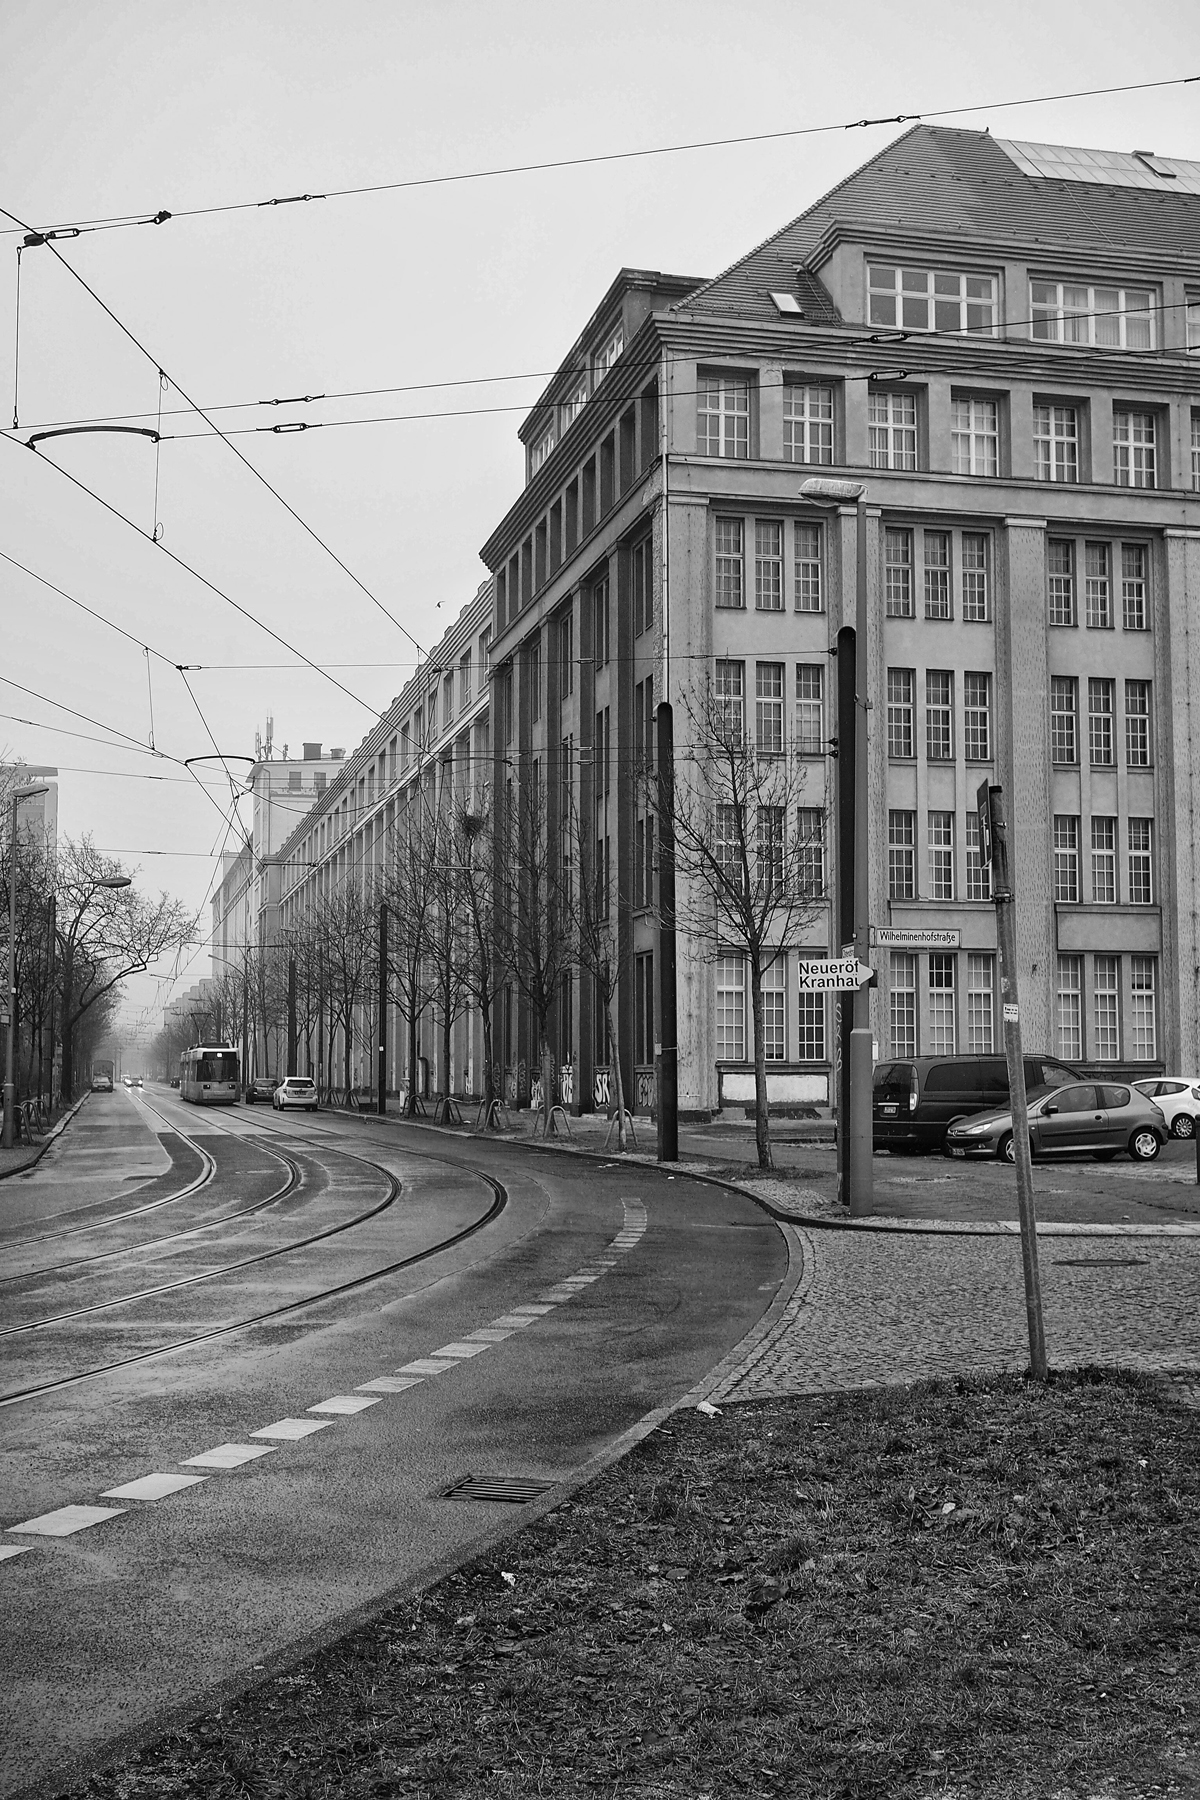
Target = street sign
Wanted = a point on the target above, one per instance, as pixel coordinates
(920, 937)
(983, 803)
(829, 976)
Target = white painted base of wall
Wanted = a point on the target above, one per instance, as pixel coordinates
(737, 1087)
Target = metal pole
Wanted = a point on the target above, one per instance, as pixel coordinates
(861, 1059)
(668, 1048)
(10, 1092)
(997, 832)
(847, 844)
(381, 1055)
(292, 1047)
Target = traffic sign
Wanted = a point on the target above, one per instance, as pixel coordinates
(844, 975)
(920, 937)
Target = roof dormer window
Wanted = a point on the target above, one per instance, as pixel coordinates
(930, 299)
(1074, 312)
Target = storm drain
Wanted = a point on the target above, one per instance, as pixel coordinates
(515, 1489)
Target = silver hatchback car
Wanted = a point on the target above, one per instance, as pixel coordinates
(295, 1090)
(1099, 1118)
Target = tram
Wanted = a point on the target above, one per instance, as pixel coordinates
(208, 1075)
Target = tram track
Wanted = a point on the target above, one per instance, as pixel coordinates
(333, 1291)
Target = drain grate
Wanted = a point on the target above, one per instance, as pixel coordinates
(515, 1489)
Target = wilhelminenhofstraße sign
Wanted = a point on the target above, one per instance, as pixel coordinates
(829, 976)
(920, 937)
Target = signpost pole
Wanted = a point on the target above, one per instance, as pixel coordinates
(994, 847)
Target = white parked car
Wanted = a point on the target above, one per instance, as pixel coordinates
(1177, 1098)
(296, 1090)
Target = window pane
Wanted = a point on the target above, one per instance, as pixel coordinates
(1143, 1035)
(768, 565)
(1107, 1042)
(898, 573)
(941, 856)
(975, 600)
(729, 572)
(731, 1009)
(981, 985)
(1069, 1008)
(937, 574)
(941, 1005)
(939, 715)
(901, 855)
(809, 591)
(902, 1004)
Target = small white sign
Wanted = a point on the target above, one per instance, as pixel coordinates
(886, 937)
(832, 976)
(1011, 1013)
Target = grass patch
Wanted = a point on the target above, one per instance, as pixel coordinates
(976, 1588)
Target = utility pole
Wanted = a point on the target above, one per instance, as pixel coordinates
(668, 1048)
(292, 1046)
(381, 1040)
(993, 845)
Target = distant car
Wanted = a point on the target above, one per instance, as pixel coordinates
(261, 1088)
(102, 1084)
(174, 1081)
(1098, 1117)
(127, 1080)
(295, 1090)
(1177, 1098)
(137, 1081)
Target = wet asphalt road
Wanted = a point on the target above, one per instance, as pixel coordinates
(636, 1285)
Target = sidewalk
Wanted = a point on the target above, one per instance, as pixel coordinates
(27, 1156)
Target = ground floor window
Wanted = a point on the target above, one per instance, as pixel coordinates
(810, 1027)
(1105, 1009)
(1143, 1037)
(981, 987)
(731, 1009)
(774, 995)
(902, 1004)
(941, 1006)
(1068, 1007)
(643, 1008)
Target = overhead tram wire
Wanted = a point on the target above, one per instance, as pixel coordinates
(216, 430)
(117, 221)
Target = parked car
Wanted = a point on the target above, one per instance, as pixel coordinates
(261, 1088)
(295, 1090)
(1101, 1118)
(915, 1099)
(102, 1084)
(1177, 1098)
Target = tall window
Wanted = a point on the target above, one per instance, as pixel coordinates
(810, 709)
(607, 355)
(979, 874)
(810, 850)
(1066, 859)
(810, 1027)
(977, 715)
(1196, 450)
(1064, 720)
(643, 1008)
(774, 994)
(1101, 702)
(723, 416)
(768, 708)
(1056, 442)
(731, 1009)
(535, 682)
(1072, 312)
(900, 712)
(1134, 449)
(541, 450)
(1137, 724)
(898, 572)
(1133, 587)
(941, 1005)
(643, 727)
(931, 299)
(981, 1005)
(768, 565)
(464, 681)
(939, 715)
(902, 1004)
(809, 591)
(892, 430)
(807, 423)
(1141, 862)
(731, 698)
(1104, 861)
(1097, 587)
(600, 623)
(1143, 1036)
(1106, 1041)
(937, 574)
(941, 856)
(729, 845)
(641, 581)
(901, 855)
(1068, 1006)
(731, 581)
(1060, 575)
(566, 652)
(575, 402)
(975, 437)
(976, 601)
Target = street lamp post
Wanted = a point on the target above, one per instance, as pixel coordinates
(10, 1090)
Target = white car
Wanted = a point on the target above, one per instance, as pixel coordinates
(1177, 1098)
(296, 1090)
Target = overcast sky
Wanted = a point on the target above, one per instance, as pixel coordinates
(124, 108)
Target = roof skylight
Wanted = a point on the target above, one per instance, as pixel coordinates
(1104, 168)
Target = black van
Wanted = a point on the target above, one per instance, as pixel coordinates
(916, 1099)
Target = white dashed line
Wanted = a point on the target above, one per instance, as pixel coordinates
(293, 1428)
(389, 1384)
(345, 1403)
(7, 1550)
(152, 1487)
(228, 1456)
(515, 1321)
(66, 1519)
(424, 1365)
(460, 1351)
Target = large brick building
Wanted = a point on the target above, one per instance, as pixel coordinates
(1001, 341)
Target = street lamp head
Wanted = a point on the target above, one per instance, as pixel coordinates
(831, 491)
(115, 881)
(30, 793)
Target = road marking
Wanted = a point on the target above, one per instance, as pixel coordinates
(345, 1403)
(535, 1309)
(389, 1384)
(66, 1519)
(152, 1487)
(7, 1550)
(292, 1428)
(487, 1335)
(514, 1321)
(424, 1365)
(228, 1456)
(459, 1350)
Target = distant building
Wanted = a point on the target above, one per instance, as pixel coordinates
(37, 816)
(1001, 342)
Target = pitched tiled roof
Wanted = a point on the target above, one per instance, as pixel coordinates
(946, 182)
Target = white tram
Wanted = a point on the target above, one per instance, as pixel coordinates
(208, 1075)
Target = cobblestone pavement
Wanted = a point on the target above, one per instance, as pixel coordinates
(872, 1308)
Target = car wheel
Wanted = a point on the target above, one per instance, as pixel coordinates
(1183, 1126)
(1103, 1155)
(1144, 1145)
(1005, 1149)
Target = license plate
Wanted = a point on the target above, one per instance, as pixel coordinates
(955, 1152)
(889, 1112)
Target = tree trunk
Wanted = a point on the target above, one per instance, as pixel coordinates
(485, 1014)
(446, 1030)
(410, 1105)
(347, 1050)
(614, 1063)
(762, 1118)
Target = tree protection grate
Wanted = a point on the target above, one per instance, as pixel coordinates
(517, 1490)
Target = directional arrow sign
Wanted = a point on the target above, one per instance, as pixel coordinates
(843, 976)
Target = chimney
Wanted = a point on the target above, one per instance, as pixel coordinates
(336, 755)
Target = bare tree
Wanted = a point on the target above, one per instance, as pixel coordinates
(482, 969)
(591, 910)
(533, 927)
(446, 927)
(750, 856)
(347, 941)
(408, 889)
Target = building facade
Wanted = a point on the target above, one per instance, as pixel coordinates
(1001, 342)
